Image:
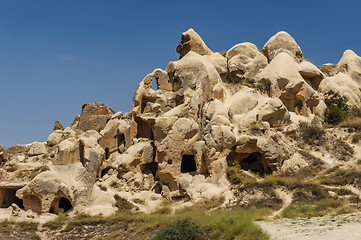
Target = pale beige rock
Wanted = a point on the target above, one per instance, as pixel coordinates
(191, 41)
(345, 86)
(311, 74)
(94, 116)
(350, 64)
(248, 107)
(245, 61)
(68, 152)
(59, 135)
(285, 82)
(281, 42)
(37, 148)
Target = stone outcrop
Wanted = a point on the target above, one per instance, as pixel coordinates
(180, 136)
(94, 116)
(191, 41)
(281, 42)
(58, 125)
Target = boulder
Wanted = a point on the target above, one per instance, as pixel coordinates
(191, 41)
(245, 61)
(94, 116)
(284, 81)
(248, 107)
(60, 135)
(37, 148)
(350, 64)
(345, 86)
(281, 42)
(58, 125)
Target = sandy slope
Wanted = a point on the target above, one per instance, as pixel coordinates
(347, 226)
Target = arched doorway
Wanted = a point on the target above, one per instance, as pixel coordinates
(60, 205)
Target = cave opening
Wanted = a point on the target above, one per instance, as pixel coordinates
(120, 140)
(8, 197)
(249, 161)
(60, 205)
(144, 129)
(188, 163)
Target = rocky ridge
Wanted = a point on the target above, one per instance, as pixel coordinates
(208, 111)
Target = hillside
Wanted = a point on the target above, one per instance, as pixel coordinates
(246, 128)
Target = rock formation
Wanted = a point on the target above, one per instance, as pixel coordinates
(178, 140)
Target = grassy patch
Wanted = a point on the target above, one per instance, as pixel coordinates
(341, 177)
(57, 223)
(236, 176)
(311, 208)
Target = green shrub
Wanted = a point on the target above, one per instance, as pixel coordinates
(337, 109)
(180, 230)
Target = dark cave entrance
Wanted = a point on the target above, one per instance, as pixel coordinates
(120, 140)
(60, 205)
(104, 172)
(254, 162)
(188, 164)
(144, 129)
(8, 197)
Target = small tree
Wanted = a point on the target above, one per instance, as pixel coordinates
(337, 109)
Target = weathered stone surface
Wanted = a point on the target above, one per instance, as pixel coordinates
(284, 81)
(37, 148)
(3, 156)
(350, 64)
(94, 116)
(281, 42)
(245, 61)
(181, 136)
(58, 125)
(191, 41)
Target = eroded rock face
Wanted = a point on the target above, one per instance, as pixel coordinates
(281, 42)
(3, 156)
(244, 60)
(94, 116)
(181, 136)
(191, 41)
(58, 125)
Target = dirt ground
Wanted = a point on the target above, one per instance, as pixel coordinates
(346, 226)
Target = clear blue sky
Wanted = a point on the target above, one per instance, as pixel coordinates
(57, 55)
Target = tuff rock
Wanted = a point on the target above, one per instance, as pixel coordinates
(177, 141)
